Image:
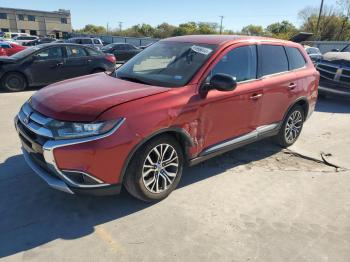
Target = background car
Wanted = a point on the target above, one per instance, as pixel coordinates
(11, 35)
(39, 41)
(87, 41)
(334, 70)
(122, 52)
(8, 48)
(314, 53)
(49, 63)
(22, 40)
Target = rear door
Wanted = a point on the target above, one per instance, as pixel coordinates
(120, 52)
(130, 51)
(76, 62)
(278, 81)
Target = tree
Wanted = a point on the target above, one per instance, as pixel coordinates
(283, 30)
(207, 28)
(164, 30)
(186, 29)
(253, 30)
(92, 29)
(334, 25)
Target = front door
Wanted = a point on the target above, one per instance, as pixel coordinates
(228, 115)
(45, 67)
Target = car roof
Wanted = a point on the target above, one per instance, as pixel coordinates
(63, 44)
(84, 37)
(222, 39)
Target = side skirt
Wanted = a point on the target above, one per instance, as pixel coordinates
(231, 144)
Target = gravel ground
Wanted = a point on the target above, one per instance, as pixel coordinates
(258, 203)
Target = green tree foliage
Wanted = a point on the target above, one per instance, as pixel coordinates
(256, 30)
(282, 30)
(334, 23)
(92, 29)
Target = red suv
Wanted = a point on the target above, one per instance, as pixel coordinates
(179, 102)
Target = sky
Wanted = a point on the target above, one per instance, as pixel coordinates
(237, 13)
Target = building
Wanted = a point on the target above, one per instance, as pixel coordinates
(40, 23)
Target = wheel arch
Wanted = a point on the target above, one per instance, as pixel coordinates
(180, 134)
(301, 101)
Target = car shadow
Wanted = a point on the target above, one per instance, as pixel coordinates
(332, 104)
(32, 214)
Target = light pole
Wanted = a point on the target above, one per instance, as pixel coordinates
(222, 18)
(120, 26)
(319, 18)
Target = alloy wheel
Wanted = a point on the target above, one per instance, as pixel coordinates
(293, 126)
(160, 168)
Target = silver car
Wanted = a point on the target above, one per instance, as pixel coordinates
(87, 41)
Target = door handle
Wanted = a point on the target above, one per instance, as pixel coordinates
(292, 86)
(59, 64)
(256, 96)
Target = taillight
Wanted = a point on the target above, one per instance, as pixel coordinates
(111, 58)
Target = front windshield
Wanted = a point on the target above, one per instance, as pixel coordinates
(166, 63)
(25, 52)
(346, 49)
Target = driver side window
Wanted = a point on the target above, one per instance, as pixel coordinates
(240, 63)
(50, 53)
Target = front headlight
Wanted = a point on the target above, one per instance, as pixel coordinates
(68, 130)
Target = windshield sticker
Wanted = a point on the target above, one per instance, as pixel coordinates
(201, 50)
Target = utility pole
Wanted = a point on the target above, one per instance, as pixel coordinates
(120, 26)
(222, 18)
(319, 19)
(107, 28)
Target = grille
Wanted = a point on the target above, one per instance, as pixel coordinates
(334, 72)
(34, 123)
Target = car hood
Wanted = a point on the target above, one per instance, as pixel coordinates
(7, 60)
(85, 98)
(331, 56)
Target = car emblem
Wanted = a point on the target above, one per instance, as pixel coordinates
(26, 119)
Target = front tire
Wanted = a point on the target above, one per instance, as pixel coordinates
(155, 170)
(14, 82)
(291, 127)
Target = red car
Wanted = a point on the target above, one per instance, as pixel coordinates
(8, 49)
(179, 102)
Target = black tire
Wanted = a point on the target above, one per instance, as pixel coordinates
(287, 138)
(135, 181)
(14, 82)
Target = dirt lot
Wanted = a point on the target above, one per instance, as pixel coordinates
(258, 203)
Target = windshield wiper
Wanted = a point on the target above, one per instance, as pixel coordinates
(134, 79)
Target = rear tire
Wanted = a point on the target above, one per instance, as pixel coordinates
(14, 82)
(291, 127)
(155, 169)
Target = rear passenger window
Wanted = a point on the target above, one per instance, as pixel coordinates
(241, 63)
(93, 52)
(296, 59)
(74, 51)
(273, 59)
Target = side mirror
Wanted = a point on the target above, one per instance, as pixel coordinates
(220, 82)
(335, 50)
